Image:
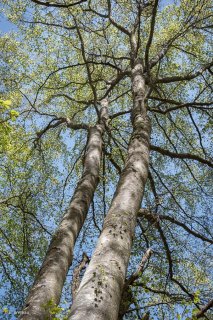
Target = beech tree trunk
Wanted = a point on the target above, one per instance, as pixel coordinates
(49, 282)
(101, 288)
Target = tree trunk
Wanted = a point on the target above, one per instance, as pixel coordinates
(101, 288)
(48, 285)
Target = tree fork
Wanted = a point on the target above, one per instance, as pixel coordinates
(49, 282)
(101, 288)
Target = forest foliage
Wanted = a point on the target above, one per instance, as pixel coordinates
(57, 65)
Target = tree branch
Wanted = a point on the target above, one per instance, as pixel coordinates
(181, 155)
(49, 24)
(200, 314)
(185, 77)
(118, 26)
(149, 42)
(76, 274)
(140, 268)
(155, 218)
(127, 297)
(59, 121)
(57, 5)
(179, 105)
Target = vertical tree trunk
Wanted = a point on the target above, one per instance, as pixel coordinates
(50, 279)
(101, 288)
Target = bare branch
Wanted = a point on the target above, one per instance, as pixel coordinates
(117, 25)
(57, 5)
(49, 24)
(155, 218)
(59, 121)
(140, 268)
(179, 105)
(185, 77)
(76, 274)
(181, 155)
(149, 42)
(127, 294)
(200, 314)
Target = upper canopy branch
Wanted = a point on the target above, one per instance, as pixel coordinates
(58, 121)
(192, 21)
(109, 16)
(181, 155)
(185, 77)
(155, 218)
(149, 42)
(202, 311)
(50, 24)
(117, 25)
(56, 4)
(179, 105)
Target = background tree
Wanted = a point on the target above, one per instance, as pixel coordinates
(69, 57)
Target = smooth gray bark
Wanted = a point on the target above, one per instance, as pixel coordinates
(50, 279)
(101, 288)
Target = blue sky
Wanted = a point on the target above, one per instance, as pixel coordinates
(5, 25)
